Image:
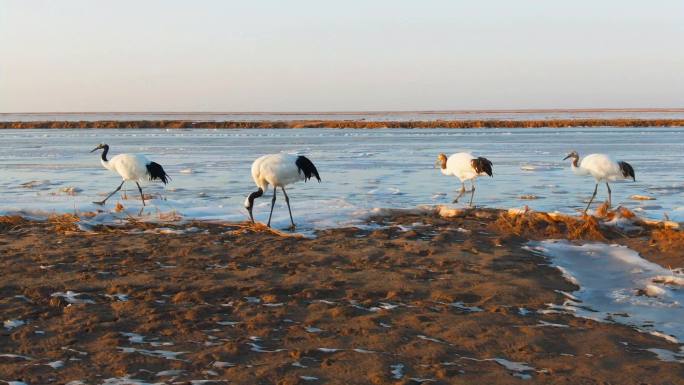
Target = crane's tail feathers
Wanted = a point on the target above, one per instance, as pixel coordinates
(482, 165)
(305, 165)
(627, 170)
(156, 171)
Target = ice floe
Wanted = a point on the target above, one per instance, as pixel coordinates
(56, 364)
(667, 355)
(126, 380)
(12, 323)
(260, 349)
(464, 307)
(169, 355)
(72, 297)
(397, 371)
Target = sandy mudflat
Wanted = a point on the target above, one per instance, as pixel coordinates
(420, 299)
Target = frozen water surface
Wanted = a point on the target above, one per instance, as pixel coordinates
(46, 171)
(614, 284)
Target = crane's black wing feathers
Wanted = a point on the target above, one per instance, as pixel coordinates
(156, 171)
(627, 170)
(307, 167)
(482, 165)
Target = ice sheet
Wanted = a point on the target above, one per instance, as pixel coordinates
(617, 285)
(361, 170)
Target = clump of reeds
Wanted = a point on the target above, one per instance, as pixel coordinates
(10, 223)
(118, 207)
(542, 225)
(64, 223)
(667, 239)
(586, 228)
(170, 216)
(626, 213)
(602, 210)
(249, 227)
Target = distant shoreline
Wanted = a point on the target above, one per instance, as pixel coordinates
(365, 112)
(357, 124)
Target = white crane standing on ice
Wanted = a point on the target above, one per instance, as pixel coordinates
(279, 170)
(465, 167)
(131, 167)
(602, 168)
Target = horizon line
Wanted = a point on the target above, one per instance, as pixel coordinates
(353, 112)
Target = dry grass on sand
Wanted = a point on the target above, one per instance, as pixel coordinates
(429, 295)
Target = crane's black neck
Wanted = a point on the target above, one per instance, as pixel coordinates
(104, 153)
(575, 161)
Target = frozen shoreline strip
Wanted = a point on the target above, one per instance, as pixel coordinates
(614, 279)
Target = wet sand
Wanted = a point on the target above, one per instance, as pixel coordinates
(415, 297)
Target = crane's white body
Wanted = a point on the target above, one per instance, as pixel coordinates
(465, 167)
(278, 170)
(599, 166)
(460, 166)
(131, 167)
(603, 169)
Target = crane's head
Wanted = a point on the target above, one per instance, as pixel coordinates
(572, 155)
(441, 160)
(249, 202)
(100, 147)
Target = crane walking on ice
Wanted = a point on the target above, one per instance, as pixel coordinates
(131, 167)
(465, 167)
(602, 168)
(279, 170)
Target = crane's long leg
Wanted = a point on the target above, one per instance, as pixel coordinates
(102, 202)
(592, 198)
(287, 200)
(275, 189)
(472, 193)
(141, 193)
(610, 198)
(460, 193)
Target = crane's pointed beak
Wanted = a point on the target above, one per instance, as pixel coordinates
(249, 205)
(249, 210)
(95, 149)
(569, 155)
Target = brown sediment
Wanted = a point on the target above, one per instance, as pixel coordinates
(360, 124)
(251, 305)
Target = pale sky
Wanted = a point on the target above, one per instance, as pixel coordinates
(353, 55)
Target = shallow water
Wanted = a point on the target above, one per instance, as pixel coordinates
(361, 169)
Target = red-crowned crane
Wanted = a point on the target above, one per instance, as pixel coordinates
(279, 170)
(602, 168)
(131, 167)
(465, 167)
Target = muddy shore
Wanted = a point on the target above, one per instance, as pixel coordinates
(360, 124)
(419, 298)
